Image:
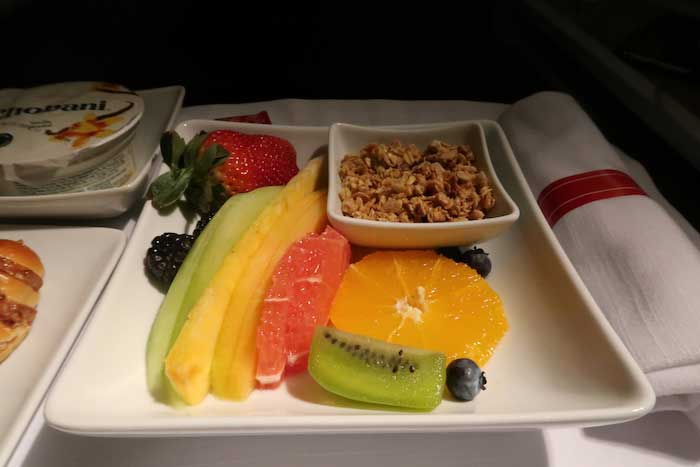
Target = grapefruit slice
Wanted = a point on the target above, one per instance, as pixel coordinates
(272, 328)
(299, 298)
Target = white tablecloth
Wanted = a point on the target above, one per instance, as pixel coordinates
(662, 439)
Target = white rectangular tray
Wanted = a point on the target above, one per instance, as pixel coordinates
(559, 364)
(78, 262)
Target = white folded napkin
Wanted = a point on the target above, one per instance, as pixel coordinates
(639, 265)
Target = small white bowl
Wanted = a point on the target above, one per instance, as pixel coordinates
(350, 139)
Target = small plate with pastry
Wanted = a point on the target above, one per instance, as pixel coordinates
(50, 277)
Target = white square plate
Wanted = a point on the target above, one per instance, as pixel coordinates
(560, 362)
(161, 105)
(78, 262)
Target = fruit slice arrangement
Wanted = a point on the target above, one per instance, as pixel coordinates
(194, 276)
(217, 343)
(264, 275)
(234, 364)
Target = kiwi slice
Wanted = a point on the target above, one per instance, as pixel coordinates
(370, 370)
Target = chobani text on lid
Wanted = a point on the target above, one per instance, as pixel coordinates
(13, 111)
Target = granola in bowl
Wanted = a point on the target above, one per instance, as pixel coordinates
(399, 183)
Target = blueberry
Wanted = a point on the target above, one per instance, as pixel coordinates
(478, 259)
(451, 252)
(465, 379)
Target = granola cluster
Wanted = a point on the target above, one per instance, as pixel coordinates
(399, 183)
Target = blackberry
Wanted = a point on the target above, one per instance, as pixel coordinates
(165, 256)
(203, 222)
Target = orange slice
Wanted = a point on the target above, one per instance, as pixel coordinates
(421, 299)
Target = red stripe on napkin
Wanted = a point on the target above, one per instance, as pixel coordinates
(568, 193)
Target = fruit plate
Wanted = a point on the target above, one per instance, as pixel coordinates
(161, 105)
(78, 262)
(559, 364)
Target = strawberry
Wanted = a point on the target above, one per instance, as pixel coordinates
(255, 160)
(214, 166)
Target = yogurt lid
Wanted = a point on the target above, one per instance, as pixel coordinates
(53, 124)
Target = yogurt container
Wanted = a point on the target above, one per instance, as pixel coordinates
(66, 137)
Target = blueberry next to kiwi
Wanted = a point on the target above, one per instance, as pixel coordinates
(465, 379)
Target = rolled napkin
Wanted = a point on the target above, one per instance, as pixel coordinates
(638, 264)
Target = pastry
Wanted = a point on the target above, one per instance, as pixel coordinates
(21, 277)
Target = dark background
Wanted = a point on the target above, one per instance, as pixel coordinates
(227, 52)
(246, 51)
